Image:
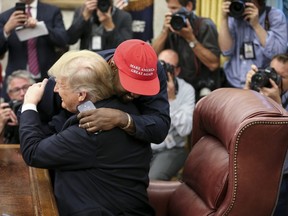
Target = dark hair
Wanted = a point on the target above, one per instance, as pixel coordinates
(262, 3)
(281, 57)
(185, 2)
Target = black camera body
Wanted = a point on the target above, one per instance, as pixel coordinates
(170, 69)
(103, 5)
(15, 105)
(205, 87)
(178, 19)
(237, 8)
(261, 78)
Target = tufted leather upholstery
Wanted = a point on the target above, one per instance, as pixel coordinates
(239, 144)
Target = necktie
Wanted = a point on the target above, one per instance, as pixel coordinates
(32, 52)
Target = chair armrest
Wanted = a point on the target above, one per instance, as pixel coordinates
(159, 193)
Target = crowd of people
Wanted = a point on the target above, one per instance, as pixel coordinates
(143, 94)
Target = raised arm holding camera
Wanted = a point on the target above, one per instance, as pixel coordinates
(273, 82)
(250, 33)
(195, 39)
(17, 84)
(99, 25)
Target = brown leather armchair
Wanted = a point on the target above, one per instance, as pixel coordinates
(239, 144)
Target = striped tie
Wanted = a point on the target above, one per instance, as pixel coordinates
(32, 52)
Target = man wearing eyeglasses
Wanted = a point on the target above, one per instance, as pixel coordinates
(17, 84)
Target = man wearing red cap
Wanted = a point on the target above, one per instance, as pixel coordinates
(142, 80)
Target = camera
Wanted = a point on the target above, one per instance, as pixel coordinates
(237, 8)
(103, 5)
(170, 69)
(261, 78)
(178, 19)
(15, 105)
(205, 86)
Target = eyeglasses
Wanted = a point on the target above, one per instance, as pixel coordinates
(18, 90)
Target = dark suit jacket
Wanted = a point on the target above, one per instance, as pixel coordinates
(152, 125)
(57, 37)
(95, 174)
(81, 29)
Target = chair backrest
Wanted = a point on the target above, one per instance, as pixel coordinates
(239, 144)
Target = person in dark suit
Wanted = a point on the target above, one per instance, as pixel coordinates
(47, 45)
(95, 174)
(17, 84)
(100, 26)
(154, 122)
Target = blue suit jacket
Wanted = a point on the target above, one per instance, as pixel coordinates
(46, 45)
(152, 125)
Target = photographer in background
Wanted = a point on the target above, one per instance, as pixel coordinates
(250, 33)
(17, 84)
(274, 86)
(170, 155)
(195, 39)
(99, 25)
(37, 54)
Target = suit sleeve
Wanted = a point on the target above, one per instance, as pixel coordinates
(3, 41)
(64, 150)
(56, 29)
(78, 28)
(121, 32)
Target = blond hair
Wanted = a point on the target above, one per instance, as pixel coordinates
(85, 71)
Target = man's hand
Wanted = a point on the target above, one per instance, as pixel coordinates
(249, 75)
(18, 18)
(102, 119)
(171, 88)
(89, 7)
(251, 14)
(31, 22)
(120, 4)
(106, 19)
(35, 92)
(225, 9)
(7, 116)
(187, 32)
(274, 92)
(166, 25)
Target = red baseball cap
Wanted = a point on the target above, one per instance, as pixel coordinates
(137, 61)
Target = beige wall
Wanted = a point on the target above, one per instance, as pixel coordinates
(159, 10)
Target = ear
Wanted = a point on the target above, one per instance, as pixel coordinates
(82, 96)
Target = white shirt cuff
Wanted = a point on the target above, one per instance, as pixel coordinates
(29, 107)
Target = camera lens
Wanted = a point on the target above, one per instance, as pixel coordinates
(178, 22)
(103, 5)
(237, 9)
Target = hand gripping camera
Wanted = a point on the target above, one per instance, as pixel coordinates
(237, 8)
(15, 105)
(261, 78)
